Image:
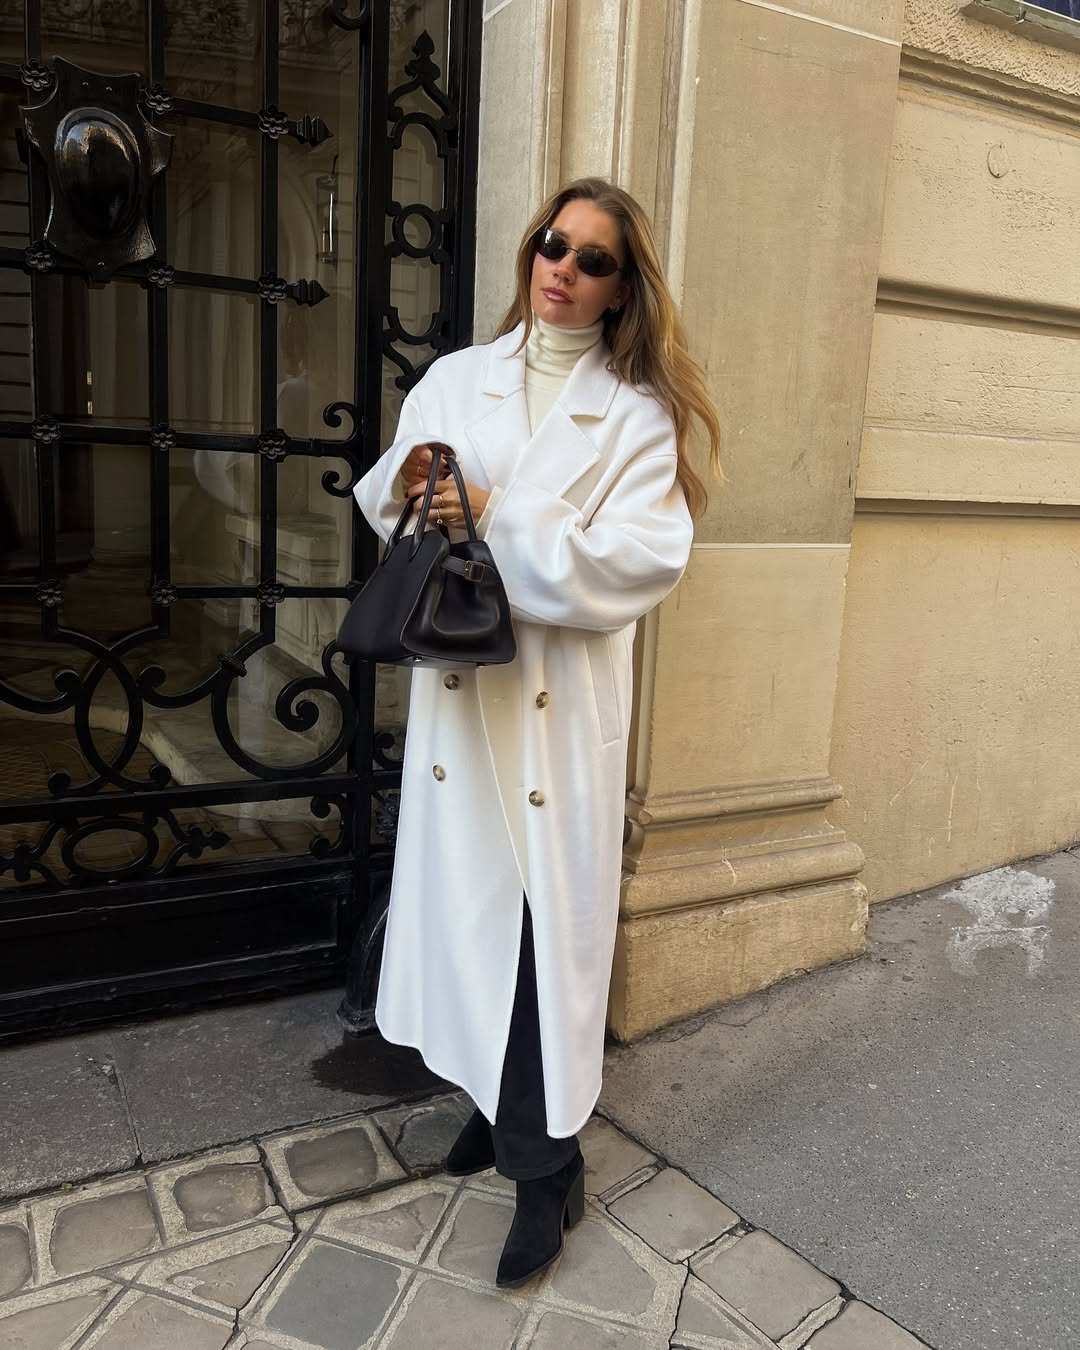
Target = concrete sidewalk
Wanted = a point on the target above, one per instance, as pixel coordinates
(908, 1121)
(342, 1236)
(898, 1132)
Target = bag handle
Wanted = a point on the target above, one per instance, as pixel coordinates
(437, 455)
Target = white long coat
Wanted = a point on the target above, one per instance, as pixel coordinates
(514, 776)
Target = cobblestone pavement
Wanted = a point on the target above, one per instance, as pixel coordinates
(344, 1236)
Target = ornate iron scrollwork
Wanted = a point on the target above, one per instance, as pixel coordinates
(101, 156)
(338, 10)
(168, 726)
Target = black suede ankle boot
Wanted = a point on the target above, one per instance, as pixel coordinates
(545, 1209)
(473, 1150)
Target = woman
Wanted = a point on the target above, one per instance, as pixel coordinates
(571, 433)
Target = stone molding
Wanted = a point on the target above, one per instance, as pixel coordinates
(917, 300)
(930, 70)
(932, 26)
(738, 799)
(708, 848)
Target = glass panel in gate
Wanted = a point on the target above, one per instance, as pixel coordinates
(185, 357)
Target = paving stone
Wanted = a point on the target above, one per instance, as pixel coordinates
(329, 1161)
(213, 1192)
(767, 1282)
(48, 1326)
(476, 1232)
(334, 1163)
(226, 1270)
(609, 1156)
(232, 1280)
(597, 1272)
(560, 1332)
(492, 1181)
(15, 1265)
(448, 1317)
(222, 1195)
(146, 1322)
(334, 1298)
(399, 1222)
(674, 1215)
(858, 1327)
(706, 1322)
(422, 1135)
(606, 1272)
(99, 1231)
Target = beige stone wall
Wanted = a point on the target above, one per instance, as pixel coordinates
(758, 135)
(957, 735)
(868, 211)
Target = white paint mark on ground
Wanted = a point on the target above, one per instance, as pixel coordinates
(995, 899)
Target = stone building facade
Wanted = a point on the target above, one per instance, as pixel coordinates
(868, 211)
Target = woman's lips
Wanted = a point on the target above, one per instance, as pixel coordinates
(560, 297)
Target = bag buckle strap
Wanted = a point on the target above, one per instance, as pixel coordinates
(467, 568)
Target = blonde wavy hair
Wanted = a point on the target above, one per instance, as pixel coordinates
(645, 336)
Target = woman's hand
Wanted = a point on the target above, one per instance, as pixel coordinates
(446, 508)
(418, 464)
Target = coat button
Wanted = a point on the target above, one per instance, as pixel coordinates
(452, 681)
(438, 771)
(543, 698)
(536, 798)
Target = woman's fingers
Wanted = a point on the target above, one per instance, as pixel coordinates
(417, 465)
(446, 487)
(445, 502)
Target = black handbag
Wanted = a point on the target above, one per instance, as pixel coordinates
(430, 602)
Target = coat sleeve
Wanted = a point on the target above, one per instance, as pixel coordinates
(602, 575)
(379, 493)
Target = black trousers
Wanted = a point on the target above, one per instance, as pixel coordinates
(523, 1148)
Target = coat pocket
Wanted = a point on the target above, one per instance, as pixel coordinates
(603, 681)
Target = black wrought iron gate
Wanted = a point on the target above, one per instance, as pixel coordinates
(231, 236)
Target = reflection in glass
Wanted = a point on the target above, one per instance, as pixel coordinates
(11, 35)
(213, 356)
(415, 283)
(184, 738)
(27, 659)
(212, 50)
(100, 371)
(96, 34)
(314, 526)
(214, 507)
(316, 352)
(213, 198)
(19, 545)
(304, 627)
(16, 393)
(106, 594)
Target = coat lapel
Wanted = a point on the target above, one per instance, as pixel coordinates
(559, 452)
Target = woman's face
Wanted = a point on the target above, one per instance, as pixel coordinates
(560, 292)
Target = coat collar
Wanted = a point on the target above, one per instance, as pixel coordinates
(588, 390)
(559, 453)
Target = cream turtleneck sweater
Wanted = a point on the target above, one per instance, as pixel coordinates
(551, 353)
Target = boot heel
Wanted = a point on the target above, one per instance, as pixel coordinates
(575, 1201)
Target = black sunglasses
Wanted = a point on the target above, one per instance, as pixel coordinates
(593, 261)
